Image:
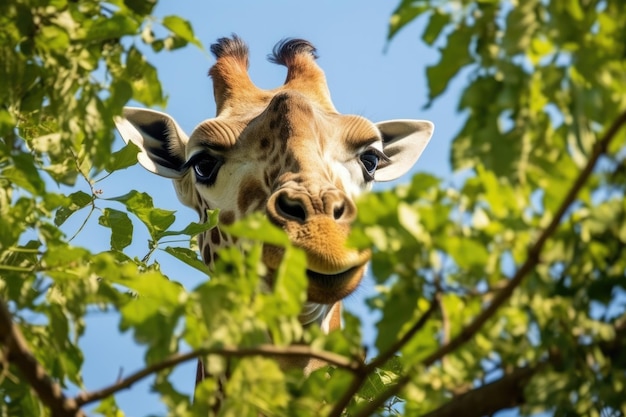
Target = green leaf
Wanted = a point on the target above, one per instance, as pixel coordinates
(53, 37)
(109, 408)
(436, 23)
(258, 227)
(112, 27)
(406, 12)
(121, 92)
(256, 386)
(23, 173)
(189, 257)
(141, 7)
(77, 201)
(140, 204)
(193, 229)
(124, 158)
(145, 82)
(7, 123)
(120, 225)
(454, 56)
(465, 252)
(181, 28)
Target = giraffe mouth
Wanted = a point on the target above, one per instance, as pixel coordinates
(330, 288)
(328, 282)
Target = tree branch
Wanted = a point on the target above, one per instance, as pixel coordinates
(485, 400)
(231, 352)
(529, 264)
(508, 391)
(359, 378)
(17, 351)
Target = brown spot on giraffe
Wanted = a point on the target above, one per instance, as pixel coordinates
(216, 238)
(251, 192)
(227, 217)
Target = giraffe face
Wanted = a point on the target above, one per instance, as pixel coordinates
(303, 167)
(286, 152)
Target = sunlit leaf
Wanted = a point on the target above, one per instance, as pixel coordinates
(140, 204)
(189, 257)
(182, 28)
(120, 225)
(124, 158)
(78, 200)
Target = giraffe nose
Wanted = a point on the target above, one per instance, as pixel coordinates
(290, 209)
(286, 206)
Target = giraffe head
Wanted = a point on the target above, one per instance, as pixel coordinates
(286, 152)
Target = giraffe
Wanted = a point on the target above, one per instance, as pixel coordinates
(286, 152)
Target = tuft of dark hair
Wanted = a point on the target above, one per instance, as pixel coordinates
(232, 46)
(286, 49)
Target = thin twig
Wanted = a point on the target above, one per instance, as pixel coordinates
(262, 350)
(503, 295)
(92, 203)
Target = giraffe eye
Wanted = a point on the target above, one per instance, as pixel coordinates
(369, 160)
(206, 169)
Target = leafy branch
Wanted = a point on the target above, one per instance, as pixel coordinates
(508, 391)
(380, 360)
(17, 352)
(532, 259)
(292, 351)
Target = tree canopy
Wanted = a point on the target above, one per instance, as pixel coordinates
(513, 275)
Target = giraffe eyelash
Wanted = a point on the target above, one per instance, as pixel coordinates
(383, 160)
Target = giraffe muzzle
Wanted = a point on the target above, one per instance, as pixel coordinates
(334, 270)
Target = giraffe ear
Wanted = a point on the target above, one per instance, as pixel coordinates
(403, 142)
(160, 139)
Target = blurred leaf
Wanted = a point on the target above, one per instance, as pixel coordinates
(407, 11)
(24, 174)
(258, 227)
(145, 83)
(193, 229)
(189, 257)
(435, 25)
(111, 27)
(256, 386)
(142, 7)
(454, 56)
(182, 28)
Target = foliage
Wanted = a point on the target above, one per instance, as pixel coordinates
(505, 290)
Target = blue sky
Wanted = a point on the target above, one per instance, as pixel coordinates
(366, 76)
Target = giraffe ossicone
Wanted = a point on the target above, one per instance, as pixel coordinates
(286, 152)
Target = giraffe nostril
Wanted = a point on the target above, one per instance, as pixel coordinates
(338, 211)
(290, 209)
